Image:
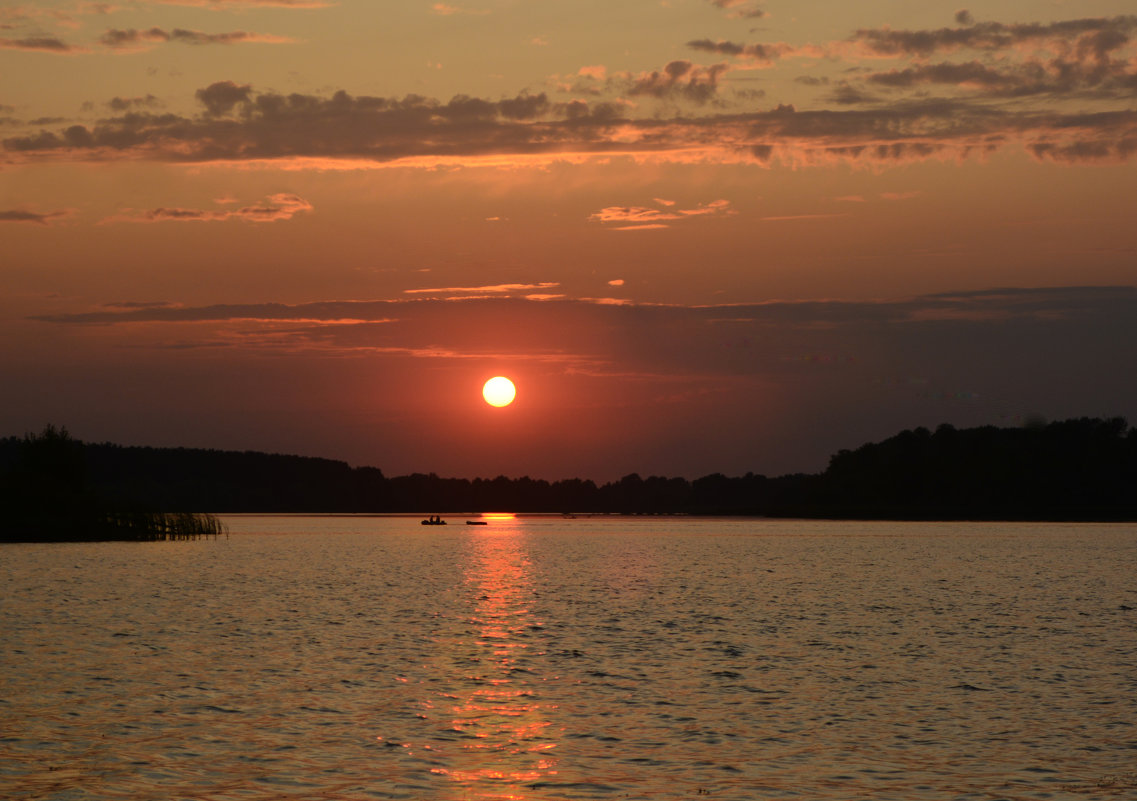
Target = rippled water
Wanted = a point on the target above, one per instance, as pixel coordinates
(540, 658)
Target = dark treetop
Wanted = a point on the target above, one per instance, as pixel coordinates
(1084, 469)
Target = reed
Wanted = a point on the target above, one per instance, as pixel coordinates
(158, 526)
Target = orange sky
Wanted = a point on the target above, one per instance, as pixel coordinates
(701, 235)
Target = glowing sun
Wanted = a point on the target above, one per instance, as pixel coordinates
(499, 391)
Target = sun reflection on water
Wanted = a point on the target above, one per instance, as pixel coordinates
(500, 722)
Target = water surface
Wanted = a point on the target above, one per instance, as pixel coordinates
(541, 658)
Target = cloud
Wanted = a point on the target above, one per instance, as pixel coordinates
(133, 39)
(1093, 35)
(1013, 60)
(129, 103)
(634, 214)
(797, 217)
(679, 79)
(491, 289)
(1002, 335)
(41, 44)
(222, 97)
(445, 10)
(740, 9)
(993, 99)
(643, 218)
(36, 218)
(223, 4)
(760, 54)
(282, 206)
(241, 125)
(419, 130)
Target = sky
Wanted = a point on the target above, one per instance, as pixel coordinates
(700, 235)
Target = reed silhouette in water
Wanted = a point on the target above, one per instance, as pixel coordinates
(45, 497)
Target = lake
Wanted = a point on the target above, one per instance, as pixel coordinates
(592, 658)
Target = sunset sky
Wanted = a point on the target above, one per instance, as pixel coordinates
(700, 235)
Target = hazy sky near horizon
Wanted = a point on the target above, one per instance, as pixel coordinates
(700, 235)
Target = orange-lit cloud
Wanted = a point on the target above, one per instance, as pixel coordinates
(447, 10)
(643, 218)
(794, 217)
(491, 289)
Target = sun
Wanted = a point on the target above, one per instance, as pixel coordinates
(499, 391)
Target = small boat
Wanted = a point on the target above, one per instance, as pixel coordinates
(433, 521)
(476, 523)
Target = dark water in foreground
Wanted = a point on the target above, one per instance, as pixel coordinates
(365, 658)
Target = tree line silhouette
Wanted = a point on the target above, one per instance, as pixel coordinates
(1082, 469)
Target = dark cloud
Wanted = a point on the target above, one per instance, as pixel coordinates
(277, 207)
(994, 36)
(240, 124)
(971, 72)
(963, 17)
(986, 305)
(219, 4)
(1056, 77)
(765, 54)
(43, 44)
(740, 9)
(129, 103)
(35, 218)
(884, 116)
(680, 79)
(221, 97)
(964, 358)
(848, 95)
(132, 38)
(1083, 58)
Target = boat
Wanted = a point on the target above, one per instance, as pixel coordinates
(433, 521)
(476, 523)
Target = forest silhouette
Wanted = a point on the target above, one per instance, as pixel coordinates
(1081, 469)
